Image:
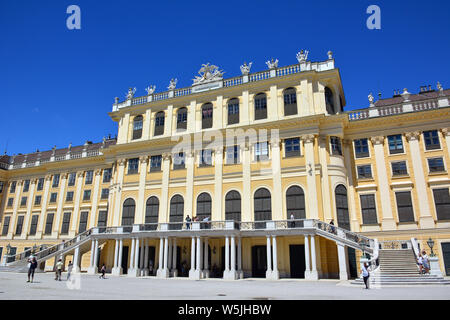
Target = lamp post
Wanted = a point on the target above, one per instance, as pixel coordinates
(430, 243)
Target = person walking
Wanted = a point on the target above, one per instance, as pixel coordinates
(32, 265)
(365, 273)
(103, 271)
(58, 269)
(69, 270)
(425, 262)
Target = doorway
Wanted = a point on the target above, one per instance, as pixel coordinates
(125, 260)
(259, 261)
(297, 261)
(446, 255)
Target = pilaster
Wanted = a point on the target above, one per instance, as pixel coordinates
(62, 190)
(93, 217)
(308, 141)
(218, 170)
(140, 207)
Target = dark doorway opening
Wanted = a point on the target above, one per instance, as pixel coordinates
(125, 260)
(446, 255)
(297, 261)
(352, 262)
(259, 261)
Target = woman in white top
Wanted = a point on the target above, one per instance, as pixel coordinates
(420, 263)
(365, 274)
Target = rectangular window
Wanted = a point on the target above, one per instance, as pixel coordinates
(26, 186)
(399, 168)
(53, 197)
(72, 179)
(233, 155)
(87, 195)
(65, 223)
(23, 201)
(436, 165)
(292, 147)
(361, 148)
(2, 185)
(365, 172)
(13, 187)
(262, 151)
(19, 225)
(336, 148)
(89, 177)
(33, 226)
(102, 218)
(155, 163)
(40, 184)
(133, 166)
(368, 209)
(55, 181)
(179, 161)
(206, 158)
(442, 203)
(107, 174)
(395, 144)
(6, 226)
(404, 206)
(83, 221)
(49, 224)
(105, 193)
(69, 196)
(37, 200)
(431, 140)
(10, 202)
(233, 113)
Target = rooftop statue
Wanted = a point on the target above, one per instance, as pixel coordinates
(131, 92)
(371, 99)
(173, 84)
(272, 64)
(245, 69)
(150, 90)
(208, 73)
(302, 56)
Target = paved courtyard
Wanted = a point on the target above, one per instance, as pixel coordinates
(14, 286)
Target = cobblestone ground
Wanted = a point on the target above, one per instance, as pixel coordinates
(14, 286)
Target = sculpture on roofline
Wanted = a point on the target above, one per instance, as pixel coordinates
(131, 92)
(173, 84)
(439, 86)
(272, 64)
(208, 73)
(371, 99)
(245, 69)
(302, 56)
(150, 90)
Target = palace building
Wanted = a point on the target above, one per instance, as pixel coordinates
(240, 178)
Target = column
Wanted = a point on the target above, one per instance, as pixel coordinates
(198, 265)
(218, 171)
(425, 218)
(166, 251)
(308, 141)
(191, 117)
(174, 258)
(168, 121)
(136, 258)
(275, 272)
(147, 125)
(306, 105)
(205, 259)
(118, 193)
(307, 261)
(123, 129)
(161, 257)
(165, 188)
(76, 208)
(343, 275)
(269, 259)
(133, 248)
(12, 228)
(140, 207)
(314, 273)
(246, 183)
(244, 112)
(93, 218)
(446, 135)
(388, 222)
(76, 260)
(227, 255)
(190, 156)
(350, 183)
(142, 253)
(91, 262)
(326, 198)
(239, 259)
(30, 203)
(277, 202)
(44, 207)
(272, 107)
(233, 259)
(146, 269)
(192, 270)
(217, 113)
(119, 265)
(116, 255)
(169, 256)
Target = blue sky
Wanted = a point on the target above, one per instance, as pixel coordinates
(57, 85)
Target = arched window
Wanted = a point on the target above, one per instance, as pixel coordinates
(260, 106)
(295, 203)
(233, 206)
(233, 111)
(204, 209)
(159, 123)
(176, 212)
(207, 115)
(263, 207)
(342, 207)
(152, 213)
(182, 118)
(129, 207)
(290, 102)
(137, 127)
(329, 101)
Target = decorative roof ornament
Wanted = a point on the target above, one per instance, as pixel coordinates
(302, 56)
(371, 100)
(131, 92)
(440, 88)
(272, 64)
(406, 95)
(173, 84)
(245, 69)
(208, 73)
(116, 100)
(330, 55)
(150, 90)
